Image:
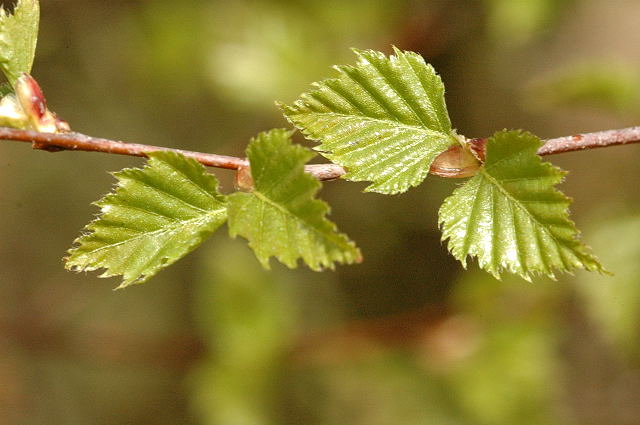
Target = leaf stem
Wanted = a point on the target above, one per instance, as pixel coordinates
(55, 142)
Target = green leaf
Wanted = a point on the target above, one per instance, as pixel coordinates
(384, 120)
(156, 216)
(510, 215)
(280, 216)
(18, 38)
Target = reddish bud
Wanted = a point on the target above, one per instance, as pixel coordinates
(34, 104)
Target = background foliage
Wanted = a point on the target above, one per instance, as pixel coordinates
(405, 337)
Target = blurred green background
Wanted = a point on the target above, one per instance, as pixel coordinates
(407, 337)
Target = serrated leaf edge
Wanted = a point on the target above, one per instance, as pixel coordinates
(82, 264)
(338, 239)
(588, 261)
(300, 103)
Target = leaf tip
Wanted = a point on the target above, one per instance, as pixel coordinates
(357, 51)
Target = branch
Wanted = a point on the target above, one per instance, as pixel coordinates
(600, 139)
(55, 142)
(577, 142)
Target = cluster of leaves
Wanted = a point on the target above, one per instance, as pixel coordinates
(385, 121)
(160, 213)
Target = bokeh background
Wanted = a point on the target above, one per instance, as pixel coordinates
(407, 337)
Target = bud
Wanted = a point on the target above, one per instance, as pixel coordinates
(455, 162)
(33, 103)
(244, 180)
(478, 148)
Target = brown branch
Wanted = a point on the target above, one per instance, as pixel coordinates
(600, 139)
(54, 142)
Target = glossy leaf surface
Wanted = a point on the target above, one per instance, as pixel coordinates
(155, 216)
(281, 217)
(384, 120)
(511, 217)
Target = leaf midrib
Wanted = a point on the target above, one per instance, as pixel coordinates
(495, 182)
(398, 94)
(165, 229)
(191, 181)
(285, 211)
(167, 194)
(393, 122)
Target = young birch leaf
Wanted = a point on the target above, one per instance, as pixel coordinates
(18, 38)
(157, 215)
(384, 120)
(280, 217)
(511, 216)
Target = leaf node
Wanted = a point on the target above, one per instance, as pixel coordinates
(281, 217)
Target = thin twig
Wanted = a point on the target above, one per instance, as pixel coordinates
(600, 139)
(54, 142)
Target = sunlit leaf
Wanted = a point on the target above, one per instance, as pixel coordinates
(18, 38)
(280, 217)
(385, 119)
(156, 216)
(511, 217)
